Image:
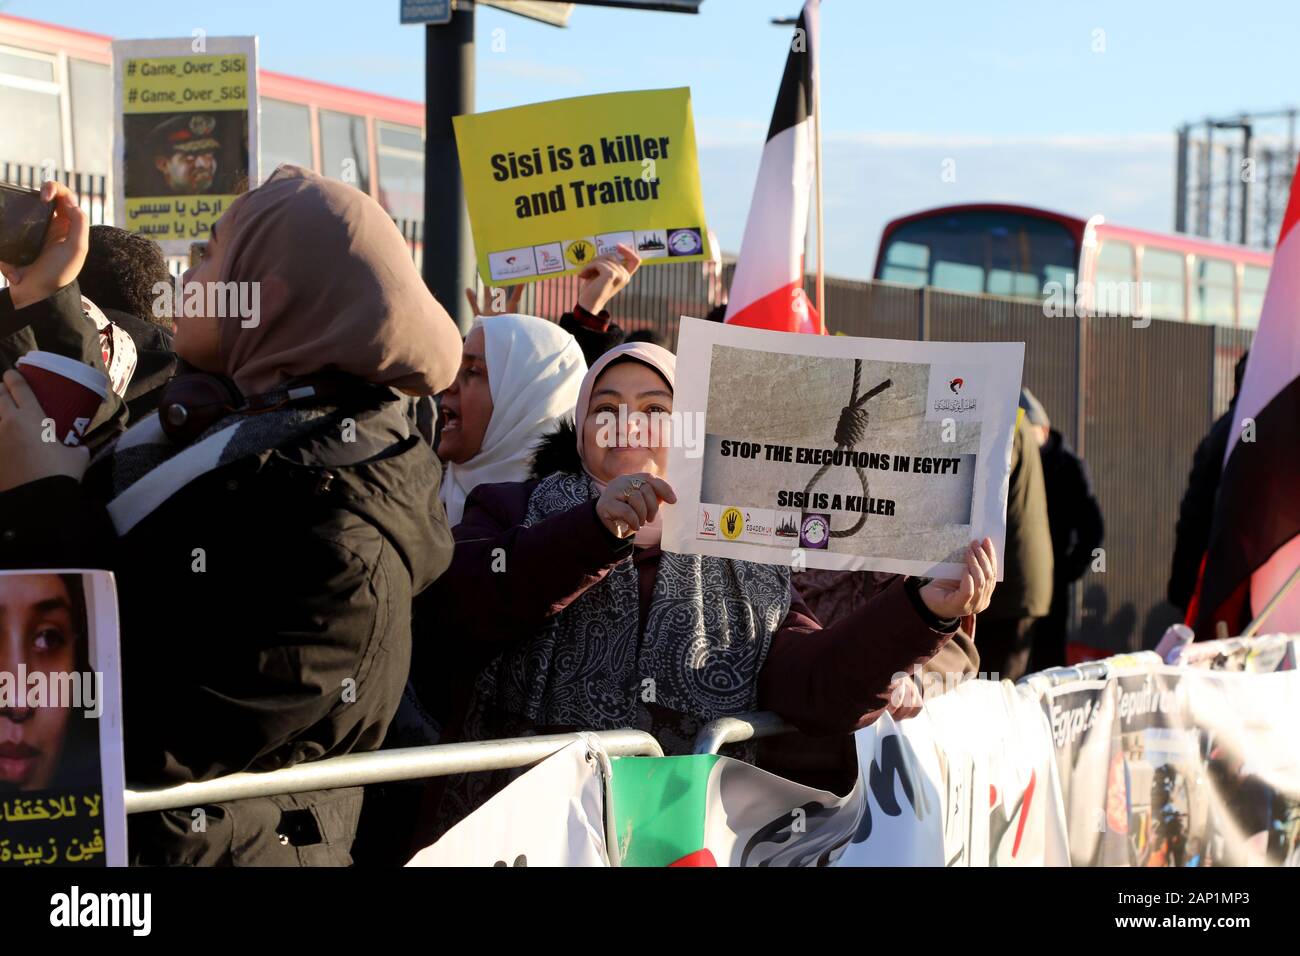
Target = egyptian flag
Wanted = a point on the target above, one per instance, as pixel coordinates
(1255, 537)
(767, 287)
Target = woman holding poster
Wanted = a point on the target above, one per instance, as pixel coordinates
(585, 623)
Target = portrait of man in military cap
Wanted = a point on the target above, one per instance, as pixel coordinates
(185, 154)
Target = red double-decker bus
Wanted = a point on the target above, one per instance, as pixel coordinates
(1026, 252)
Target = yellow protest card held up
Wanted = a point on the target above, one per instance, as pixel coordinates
(553, 185)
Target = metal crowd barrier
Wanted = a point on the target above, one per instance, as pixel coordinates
(1089, 670)
(384, 766)
(418, 763)
(716, 734)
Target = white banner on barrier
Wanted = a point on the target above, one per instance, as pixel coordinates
(1154, 766)
(551, 816)
(1170, 766)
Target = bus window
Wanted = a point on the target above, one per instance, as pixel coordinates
(91, 88)
(401, 171)
(958, 276)
(1018, 284)
(1114, 262)
(1254, 281)
(285, 134)
(1113, 279)
(1005, 253)
(1162, 278)
(344, 149)
(1215, 293)
(907, 263)
(29, 110)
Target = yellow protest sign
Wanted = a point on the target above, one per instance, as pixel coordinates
(553, 185)
(186, 133)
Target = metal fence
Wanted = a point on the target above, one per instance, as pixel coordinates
(89, 188)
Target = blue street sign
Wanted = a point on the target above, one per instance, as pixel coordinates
(426, 11)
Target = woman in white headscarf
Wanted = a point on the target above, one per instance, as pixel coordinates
(519, 377)
(518, 380)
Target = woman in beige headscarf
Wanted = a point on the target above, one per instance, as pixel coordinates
(268, 540)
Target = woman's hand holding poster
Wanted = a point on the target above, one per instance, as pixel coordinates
(840, 453)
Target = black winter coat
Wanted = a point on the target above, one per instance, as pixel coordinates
(1072, 511)
(1196, 512)
(291, 644)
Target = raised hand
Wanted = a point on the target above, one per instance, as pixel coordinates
(969, 594)
(605, 277)
(62, 255)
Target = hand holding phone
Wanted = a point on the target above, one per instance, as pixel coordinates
(24, 220)
(62, 253)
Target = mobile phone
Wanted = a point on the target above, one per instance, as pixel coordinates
(24, 220)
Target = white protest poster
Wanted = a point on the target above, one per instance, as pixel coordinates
(551, 816)
(62, 775)
(839, 453)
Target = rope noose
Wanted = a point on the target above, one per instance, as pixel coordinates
(849, 430)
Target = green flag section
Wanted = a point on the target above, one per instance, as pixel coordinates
(660, 809)
(914, 804)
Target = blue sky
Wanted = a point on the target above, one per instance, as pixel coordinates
(1012, 90)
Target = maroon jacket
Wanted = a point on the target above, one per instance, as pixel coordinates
(824, 681)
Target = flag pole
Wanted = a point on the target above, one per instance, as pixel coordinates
(1273, 602)
(817, 133)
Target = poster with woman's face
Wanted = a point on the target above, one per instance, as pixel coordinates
(61, 769)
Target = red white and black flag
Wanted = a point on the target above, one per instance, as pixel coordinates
(1255, 539)
(767, 287)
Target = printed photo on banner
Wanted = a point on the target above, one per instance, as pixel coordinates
(855, 453)
(1178, 767)
(186, 133)
(61, 764)
(554, 185)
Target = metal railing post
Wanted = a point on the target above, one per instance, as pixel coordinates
(716, 734)
(384, 766)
